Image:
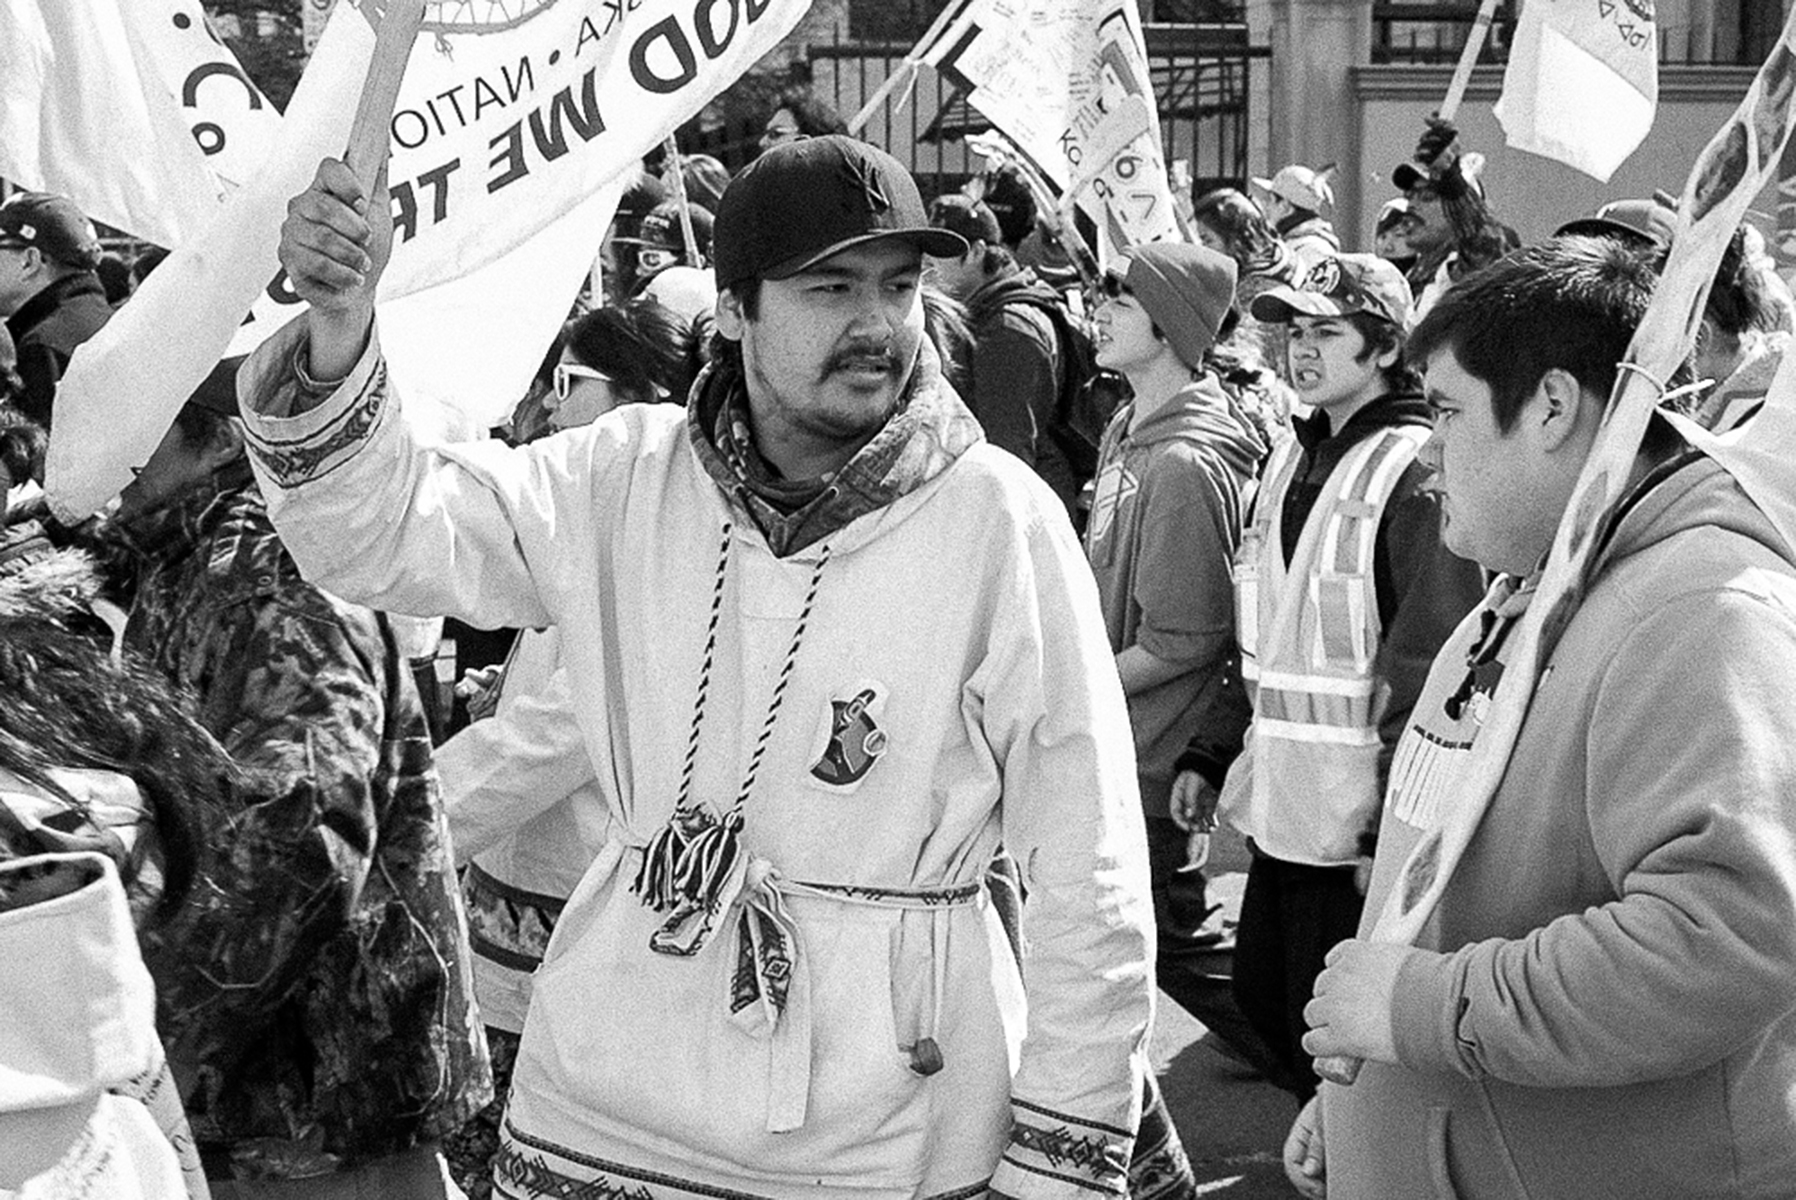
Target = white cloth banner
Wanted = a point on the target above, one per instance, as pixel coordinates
(1068, 82)
(504, 140)
(1582, 83)
(130, 107)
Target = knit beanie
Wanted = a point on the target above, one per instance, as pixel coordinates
(1187, 290)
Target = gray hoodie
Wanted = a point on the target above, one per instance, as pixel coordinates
(1165, 521)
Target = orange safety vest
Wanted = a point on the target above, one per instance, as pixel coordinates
(1306, 783)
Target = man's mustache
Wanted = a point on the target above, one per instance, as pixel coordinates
(875, 356)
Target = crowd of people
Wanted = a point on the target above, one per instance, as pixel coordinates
(861, 625)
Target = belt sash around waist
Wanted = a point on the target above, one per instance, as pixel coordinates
(770, 989)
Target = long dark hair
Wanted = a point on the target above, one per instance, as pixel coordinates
(65, 703)
(641, 345)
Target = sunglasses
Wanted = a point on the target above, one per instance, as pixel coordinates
(1114, 287)
(566, 373)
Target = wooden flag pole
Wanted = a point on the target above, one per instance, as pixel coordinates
(906, 74)
(1738, 163)
(1468, 58)
(687, 238)
(369, 137)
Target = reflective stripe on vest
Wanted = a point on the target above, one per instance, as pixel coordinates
(1308, 652)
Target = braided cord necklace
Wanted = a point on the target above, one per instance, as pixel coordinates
(686, 864)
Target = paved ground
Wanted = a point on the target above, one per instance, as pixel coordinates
(1231, 1121)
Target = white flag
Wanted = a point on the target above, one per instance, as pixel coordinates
(1068, 82)
(506, 137)
(129, 107)
(1582, 83)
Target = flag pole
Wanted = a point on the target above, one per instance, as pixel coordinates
(687, 237)
(369, 136)
(1468, 58)
(906, 74)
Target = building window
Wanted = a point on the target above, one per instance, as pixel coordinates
(1711, 32)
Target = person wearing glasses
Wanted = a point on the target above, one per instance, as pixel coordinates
(637, 352)
(50, 296)
(1344, 591)
(798, 114)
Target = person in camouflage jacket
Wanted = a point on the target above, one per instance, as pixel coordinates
(316, 995)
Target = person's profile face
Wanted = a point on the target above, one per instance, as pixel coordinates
(19, 280)
(579, 394)
(782, 127)
(1481, 474)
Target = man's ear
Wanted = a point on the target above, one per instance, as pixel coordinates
(730, 317)
(1560, 403)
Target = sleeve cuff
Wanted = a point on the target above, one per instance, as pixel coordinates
(1425, 1012)
(292, 447)
(1192, 649)
(1053, 1154)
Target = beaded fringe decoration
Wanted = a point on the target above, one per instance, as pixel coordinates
(686, 865)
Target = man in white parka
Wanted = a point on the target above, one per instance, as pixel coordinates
(834, 650)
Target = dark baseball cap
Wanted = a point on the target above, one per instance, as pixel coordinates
(661, 227)
(53, 224)
(1341, 286)
(971, 219)
(1637, 222)
(803, 201)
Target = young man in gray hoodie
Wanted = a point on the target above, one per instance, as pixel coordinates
(1165, 520)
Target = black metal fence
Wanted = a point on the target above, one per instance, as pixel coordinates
(1202, 77)
(1701, 32)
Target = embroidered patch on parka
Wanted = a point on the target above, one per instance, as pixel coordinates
(851, 739)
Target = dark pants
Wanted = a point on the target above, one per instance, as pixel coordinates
(410, 1175)
(1181, 900)
(1291, 916)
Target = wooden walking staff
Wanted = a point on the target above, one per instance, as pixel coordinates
(1739, 162)
(370, 138)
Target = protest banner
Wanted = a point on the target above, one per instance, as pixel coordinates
(1582, 83)
(174, 127)
(1738, 163)
(1068, 82)
(514, 117)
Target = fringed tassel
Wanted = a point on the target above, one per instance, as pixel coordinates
(707, 859)
(685, 869)
(660, 862)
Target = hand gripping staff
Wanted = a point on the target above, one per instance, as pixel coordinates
(1739, 162)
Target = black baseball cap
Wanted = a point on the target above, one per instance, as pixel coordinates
(1637, 222)
(53, 224)
(661, 227)
(970, 218)
(803, 201)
